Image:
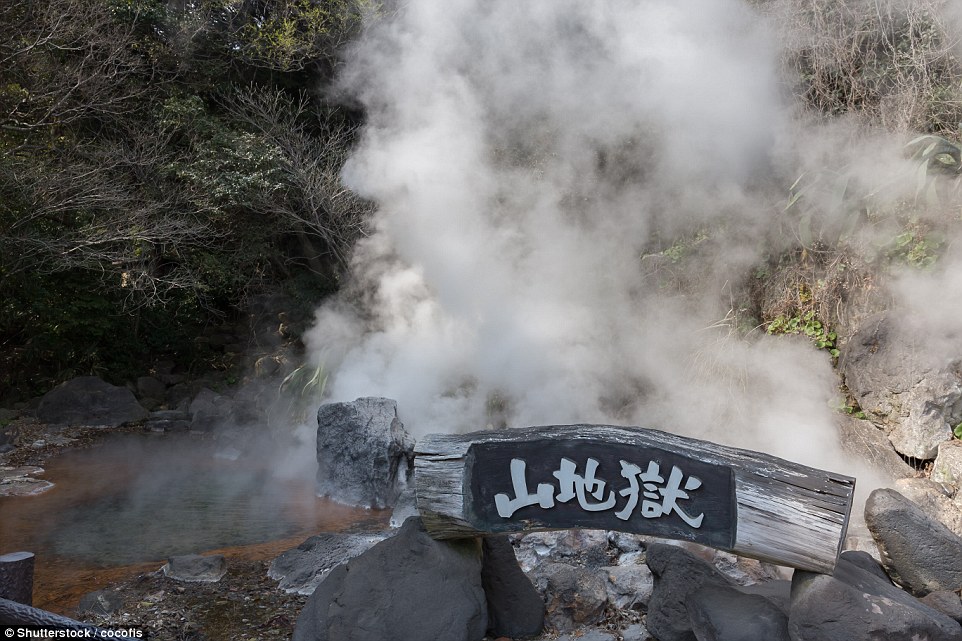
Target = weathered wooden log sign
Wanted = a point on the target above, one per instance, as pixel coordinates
(633, 480)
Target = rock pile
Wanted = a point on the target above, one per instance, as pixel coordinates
(614, 586)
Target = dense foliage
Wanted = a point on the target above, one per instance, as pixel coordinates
(161, 164)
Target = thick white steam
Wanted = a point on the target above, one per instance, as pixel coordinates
(525, 158)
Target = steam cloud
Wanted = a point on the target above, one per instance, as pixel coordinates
(532, 163)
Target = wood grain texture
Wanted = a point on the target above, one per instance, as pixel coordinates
(787, 514)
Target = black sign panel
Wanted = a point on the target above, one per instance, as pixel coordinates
(595, 484)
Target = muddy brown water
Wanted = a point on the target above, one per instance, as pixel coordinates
(122, 507)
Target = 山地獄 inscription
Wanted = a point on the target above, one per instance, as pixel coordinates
(593, 484)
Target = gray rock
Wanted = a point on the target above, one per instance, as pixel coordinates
(364, 455)
(302, 569)
(405, 508)
(195, 568)
(722, 613)
(742, 570)
(947, 468)
(917, 400)
(779, 592)
(635, 632)
(625, 542)
(167, 425)
(404, 588)
(588, 635)
(100, 603)
(210, 410)
(150, 387)
(863, 439)
(515, 608)
(89, 401)
(948, 603)
(855, 605)
(574, 597)
(677, 574)
(629, 586)
(867, 562)
(933, 499)
(918, 552)
(583, 547)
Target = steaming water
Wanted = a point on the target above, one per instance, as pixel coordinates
(138, 499)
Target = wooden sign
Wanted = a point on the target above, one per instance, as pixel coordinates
(632, 480)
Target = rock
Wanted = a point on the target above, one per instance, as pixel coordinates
(196, 568)
(574, 597)
(917, 551)
(917, 401)
(742, 570)
(625, 542)
(629, 586)
(100, 603)
(210, 410)
(933, 499)
(867, 562)
(150, 387)
(89, 401)
(635, 632)
(589, 635)
(168, 421)
(364, 455)
(856, 605)
(404, 588)
(19, 481)
(863, 439)
(722, 613)
(515, 608)
(302, 569)
(779, 592)
(405, 508)
(947, 468)
(948, 603)
(583, 547)
(677, 574)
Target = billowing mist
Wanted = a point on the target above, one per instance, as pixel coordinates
(570, 195)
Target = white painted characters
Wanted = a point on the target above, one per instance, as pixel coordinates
(657, 498)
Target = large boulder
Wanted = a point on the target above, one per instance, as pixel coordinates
(856, 605)
(863, 439)
(90, 401)
(209, 410)
(932, 498)
(405, 588)
(302, 569)
(916, 399)
(515, 608)
(678, 573)
(918, 551)
(723, 613)
(364, 455)
(947, 468)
